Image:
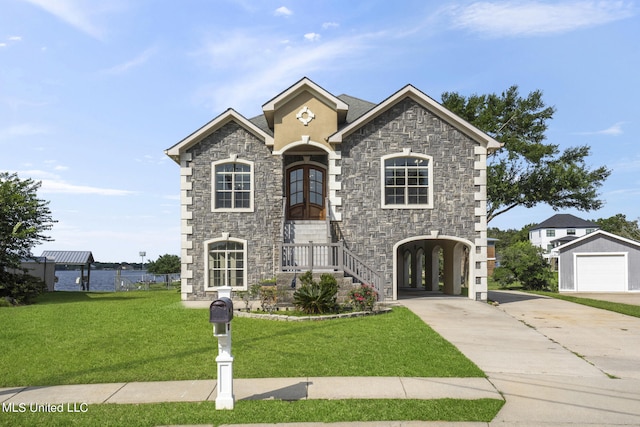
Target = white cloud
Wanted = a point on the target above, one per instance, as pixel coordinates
(81, 14)
(313, 37)
(15, 38)
(283, 11)
(258, 73)
(328, 25)
(613, 130)
(535, 18)
(52, 183)
(135, 62)
(2, 44)
(22, 130)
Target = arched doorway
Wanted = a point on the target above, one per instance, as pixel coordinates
(306, 192)
(434, 264)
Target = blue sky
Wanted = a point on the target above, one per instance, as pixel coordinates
(91, 93)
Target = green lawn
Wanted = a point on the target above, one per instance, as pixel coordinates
(245, 412)
(78, 338)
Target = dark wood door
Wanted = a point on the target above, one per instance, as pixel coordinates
(306, 192)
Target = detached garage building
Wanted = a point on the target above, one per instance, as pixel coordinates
(599, 262)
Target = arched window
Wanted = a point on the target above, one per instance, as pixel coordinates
(225, 263)
(407, 181)
(232, 185)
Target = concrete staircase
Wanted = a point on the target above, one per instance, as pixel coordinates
(304, 231)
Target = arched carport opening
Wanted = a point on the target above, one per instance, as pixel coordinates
(433, 264)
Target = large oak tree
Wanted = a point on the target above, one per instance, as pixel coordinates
(528, 171)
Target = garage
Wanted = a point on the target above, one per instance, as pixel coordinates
(599, 262)
(601, 272)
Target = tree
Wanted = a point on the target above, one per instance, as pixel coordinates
(618, 224)
(165, 264)
(24, 218)
(522, 262)
(527, 171)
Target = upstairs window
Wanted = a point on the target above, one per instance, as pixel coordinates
(571, 231)
(233, 186)
(407, 181)
(551, 233)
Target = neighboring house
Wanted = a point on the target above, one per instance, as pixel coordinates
(599, 262)
(334, 183)
(558, 230)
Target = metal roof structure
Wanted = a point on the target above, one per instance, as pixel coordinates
(70, 257)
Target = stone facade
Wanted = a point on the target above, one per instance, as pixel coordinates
(261, 228)
(383, 237)
(371, 231)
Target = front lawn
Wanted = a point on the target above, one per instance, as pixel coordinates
(77, 338)
(246, 412)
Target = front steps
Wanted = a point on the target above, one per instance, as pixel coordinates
(305, 231)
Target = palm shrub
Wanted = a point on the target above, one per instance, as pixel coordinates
(316, 298)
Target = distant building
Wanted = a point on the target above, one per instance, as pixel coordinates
(558, 230)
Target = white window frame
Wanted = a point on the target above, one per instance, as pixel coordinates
(406, 205)
(214, 193)
(208, 279)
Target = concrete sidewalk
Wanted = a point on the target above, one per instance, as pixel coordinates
(257, 389)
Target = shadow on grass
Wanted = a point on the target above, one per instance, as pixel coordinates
(63, 297)
(125, 365)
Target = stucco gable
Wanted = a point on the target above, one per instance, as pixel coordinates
(425, 101)
(228, 116)
(304, 85)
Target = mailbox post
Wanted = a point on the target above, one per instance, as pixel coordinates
(220, 314)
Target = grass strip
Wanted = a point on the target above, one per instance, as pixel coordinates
(627, 309)
(245, 412)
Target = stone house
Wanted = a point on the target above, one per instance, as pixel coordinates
(390, 194)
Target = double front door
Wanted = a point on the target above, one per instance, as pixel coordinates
(306, 192)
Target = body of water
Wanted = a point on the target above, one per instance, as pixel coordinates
(105, 280)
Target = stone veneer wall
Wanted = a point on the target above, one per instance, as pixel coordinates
(371, 231)
(261, 228)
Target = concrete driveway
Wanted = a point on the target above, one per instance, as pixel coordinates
(556, 362)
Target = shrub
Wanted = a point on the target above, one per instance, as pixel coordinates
(522, 262)
(363, 298)
(22, 287)
(316, 298)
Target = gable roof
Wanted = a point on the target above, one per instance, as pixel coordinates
(305, 84)
(230, 115)
(564, 221)
(69, 257)
(427, 102)
(595, 234)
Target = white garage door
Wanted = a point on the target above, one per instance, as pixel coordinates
(601, 272)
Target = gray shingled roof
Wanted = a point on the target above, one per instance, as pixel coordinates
(70, 257)
(565, 221)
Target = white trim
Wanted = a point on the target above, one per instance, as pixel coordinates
(233, 159)
(596, 233)
(225, 238)
(406, 153)
(228, 116)
(424, 100)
